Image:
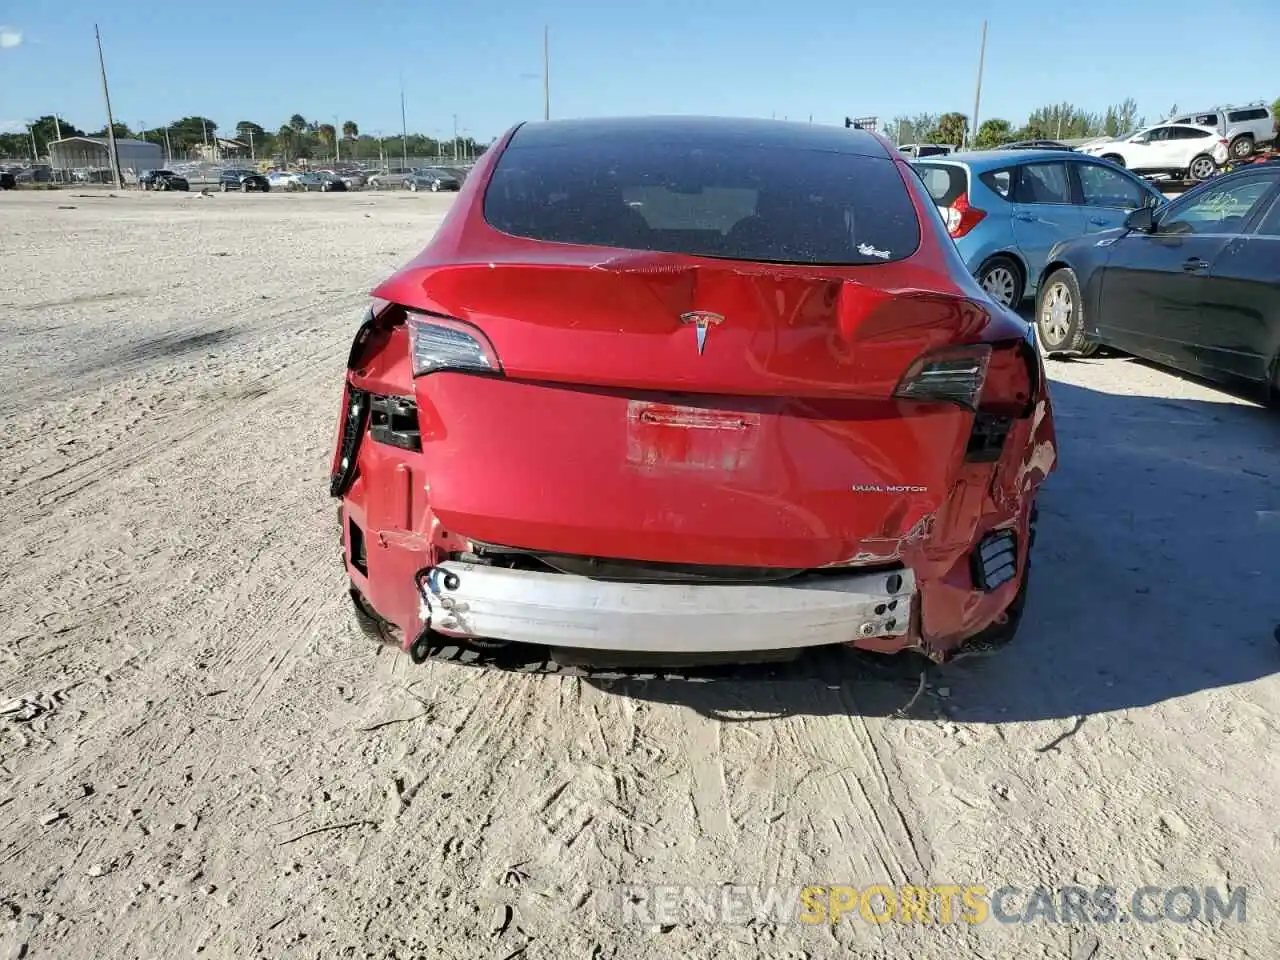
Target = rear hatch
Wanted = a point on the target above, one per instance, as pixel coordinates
(667, 405)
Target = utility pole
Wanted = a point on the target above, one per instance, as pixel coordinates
(546, 73)
(253, 154)
(455, 138)
(977, 97)
(337, 150)
(168, 148)
(404, 128)
(111, 123)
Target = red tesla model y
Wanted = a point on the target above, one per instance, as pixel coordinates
(679, 390)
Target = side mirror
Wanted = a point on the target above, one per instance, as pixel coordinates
(1142, 220)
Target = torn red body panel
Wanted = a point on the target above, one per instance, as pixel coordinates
(590, 446)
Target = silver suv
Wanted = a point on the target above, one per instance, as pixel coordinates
(1245, 127)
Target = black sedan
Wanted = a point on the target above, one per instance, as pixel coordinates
(245, 180)
(1193, 284)
(162, 180)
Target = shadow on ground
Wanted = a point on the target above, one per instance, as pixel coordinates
(1154, 577)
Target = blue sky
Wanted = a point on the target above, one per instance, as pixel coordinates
(344, 58)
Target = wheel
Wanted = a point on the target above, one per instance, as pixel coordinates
(223, 187)
(1202, 168)
(1242, 146)
(412, 185)
(1001, 277)
(435, 186)
(1114, 158)
(1060, 316)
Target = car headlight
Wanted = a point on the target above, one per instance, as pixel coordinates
(442, 343)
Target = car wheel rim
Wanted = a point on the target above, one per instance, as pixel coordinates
(1241, 148)
(1201, 169)
(999, 282)
(1055, 314)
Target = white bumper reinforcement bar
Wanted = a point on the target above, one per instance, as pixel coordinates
(563, 610)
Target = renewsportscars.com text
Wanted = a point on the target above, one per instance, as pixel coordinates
(737, 904)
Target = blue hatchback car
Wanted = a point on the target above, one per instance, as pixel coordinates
(1006, 209)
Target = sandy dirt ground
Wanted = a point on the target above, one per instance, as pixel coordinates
(204, 757)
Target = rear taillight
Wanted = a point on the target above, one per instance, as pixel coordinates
(961, 217)
(1224, 142)
(441, 343)
(953, 375)
(997, 379)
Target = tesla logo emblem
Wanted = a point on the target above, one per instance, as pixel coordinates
(702, 321)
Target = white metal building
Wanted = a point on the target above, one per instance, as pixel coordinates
(93, 153)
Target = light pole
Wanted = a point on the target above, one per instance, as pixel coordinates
(31, 132)
(337, 151)
(977, 96)
(111, 124)
(455, 138)
(404, 128)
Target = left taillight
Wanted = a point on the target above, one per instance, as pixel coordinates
(442, 343)
(961, 216)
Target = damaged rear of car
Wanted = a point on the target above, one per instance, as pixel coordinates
(677, 390)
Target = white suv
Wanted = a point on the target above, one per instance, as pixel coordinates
(1245, 127)
(1176, 149)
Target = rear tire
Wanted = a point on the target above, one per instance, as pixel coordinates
(1060, 317)
(1202, 168)
(1001, 277)
(1242, 147)
(223, 187)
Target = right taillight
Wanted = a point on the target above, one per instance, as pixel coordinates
(997, 379)
(952, 375)
(961, 216)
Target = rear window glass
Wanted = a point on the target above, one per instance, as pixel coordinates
(735, 201)
(944, 181)
(999, 182)
(1238, 115)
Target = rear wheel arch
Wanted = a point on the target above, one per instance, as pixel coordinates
(1014, 261)
(1062, 334)
(1114, 158)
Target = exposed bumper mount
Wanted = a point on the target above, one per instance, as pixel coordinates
(560, 610)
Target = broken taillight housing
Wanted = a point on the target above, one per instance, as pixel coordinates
(997, 378)
(961, 217)
(953, 375)
(442, 343)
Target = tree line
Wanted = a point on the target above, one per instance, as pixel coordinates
(296, 139)
(1059, 121)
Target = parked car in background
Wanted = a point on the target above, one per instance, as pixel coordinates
(1006, 209)
(1177, 150)
(283, 179)
(433, 179)
(329, 182)
(1036, 145)
(925, 149)
(1194, 285)
(162, 180)
(8, 181)
(1245, 127)
(245, 180)
(395, 177)
(745, 465)
(351, 178)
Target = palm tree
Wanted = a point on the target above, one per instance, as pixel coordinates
(350, 131)
(286, 138)
(326, 134)
(298, 122)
